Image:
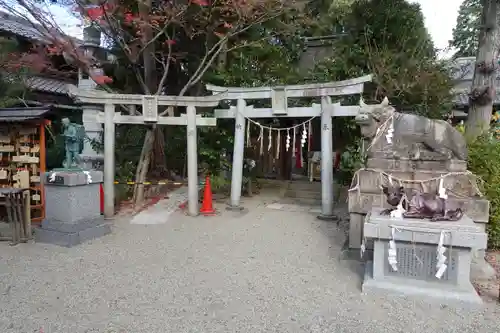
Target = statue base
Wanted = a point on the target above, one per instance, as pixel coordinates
(72, 169)
(415, 271)
(72, 208)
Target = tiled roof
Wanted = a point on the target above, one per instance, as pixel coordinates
(462, 69)
(462, 72)
(19, 26)
(24, 28)
(48, 85)
(22, 114)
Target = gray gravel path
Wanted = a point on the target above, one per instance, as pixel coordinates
(266, 271)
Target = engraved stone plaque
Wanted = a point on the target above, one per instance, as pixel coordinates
(150, 108)
(279, 100)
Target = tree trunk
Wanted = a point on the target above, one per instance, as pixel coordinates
(158, 166)
(143, 167)
(154, 140)
(483, 83)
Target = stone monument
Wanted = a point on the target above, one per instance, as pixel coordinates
(418, 203)
(72, 197)
(414, 152)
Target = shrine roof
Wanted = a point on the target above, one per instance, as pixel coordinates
(22, 27)
(23, 114)
(19, 26)
(48, 85)
(462, 72)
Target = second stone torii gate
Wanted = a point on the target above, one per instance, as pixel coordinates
(149, 116)
(279, 96)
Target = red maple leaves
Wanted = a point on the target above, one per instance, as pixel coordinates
(128, 17)
(95, 13)
(200, 2)
(102, 79)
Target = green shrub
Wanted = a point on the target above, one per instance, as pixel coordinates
(219, 184)
(484, 161)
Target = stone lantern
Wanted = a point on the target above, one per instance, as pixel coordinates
(91, 158)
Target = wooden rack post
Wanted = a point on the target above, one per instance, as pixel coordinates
(43, 164)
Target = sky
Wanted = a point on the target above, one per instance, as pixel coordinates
(440, 18)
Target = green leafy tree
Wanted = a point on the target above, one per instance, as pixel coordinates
(484, 153)
(165, 47)
(325, 12)
(387, 38)
(466, 32)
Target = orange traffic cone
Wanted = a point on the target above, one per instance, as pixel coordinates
(207, 208)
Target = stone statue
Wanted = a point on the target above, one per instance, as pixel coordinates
(74, 135)
(399, 135)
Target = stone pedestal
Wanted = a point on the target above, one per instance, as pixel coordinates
(416, 244)
(72, 208)
(369, 194)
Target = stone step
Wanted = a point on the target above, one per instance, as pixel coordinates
(476, 208)
(303, 194)
(406, 165)
(308, 202)
(371, 181)
(302, 185)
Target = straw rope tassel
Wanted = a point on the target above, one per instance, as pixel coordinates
(278, 144)
(287, 144)
(270, 144)
(248, 134)
(294, 140)
(261, 138)
(309, 138)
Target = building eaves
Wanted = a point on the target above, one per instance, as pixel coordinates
(24, 28)
(47, 85)
(23, 114)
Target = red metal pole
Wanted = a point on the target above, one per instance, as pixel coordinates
(101, 198)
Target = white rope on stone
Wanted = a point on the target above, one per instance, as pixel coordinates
(355, 179)
(381, 130)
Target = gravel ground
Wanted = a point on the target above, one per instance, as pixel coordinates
(266, 271)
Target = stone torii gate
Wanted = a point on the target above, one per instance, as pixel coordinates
(149, 116)
(279, 96)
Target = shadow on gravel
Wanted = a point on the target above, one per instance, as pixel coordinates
(336, 232)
